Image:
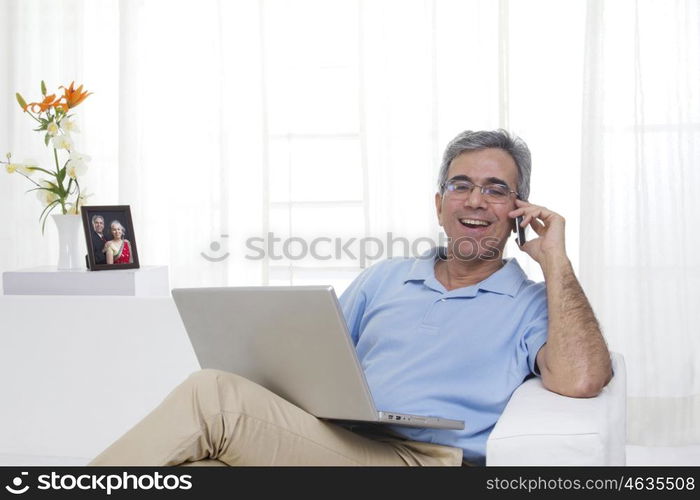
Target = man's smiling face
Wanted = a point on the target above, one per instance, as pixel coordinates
(473, 219)
(99, 225)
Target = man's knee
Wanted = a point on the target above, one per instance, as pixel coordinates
(211, 380)
(209, 376)
(210, 388)
(219, 390)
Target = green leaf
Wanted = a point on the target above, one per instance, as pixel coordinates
(61, 175)
(47, 138)
(43, 88)
(51, 187)
(64, 192)
(55, 190)
(50, 208)
(52, 174)
(21, 101)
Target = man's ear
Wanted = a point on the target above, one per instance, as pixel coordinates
(438, 207)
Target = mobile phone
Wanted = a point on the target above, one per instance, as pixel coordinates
(519, 230)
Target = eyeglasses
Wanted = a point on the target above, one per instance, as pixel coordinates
(462, 189)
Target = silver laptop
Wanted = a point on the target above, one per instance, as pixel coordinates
(292, 340)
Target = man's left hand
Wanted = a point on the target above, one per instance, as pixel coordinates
(549, 227)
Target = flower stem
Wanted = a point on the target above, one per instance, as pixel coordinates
(55, 157)
(30, 179)
(30, 114)
(58, 170)
(77, 199)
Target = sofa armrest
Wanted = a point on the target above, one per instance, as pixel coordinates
(539, 427)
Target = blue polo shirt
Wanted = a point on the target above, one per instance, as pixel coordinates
(457, 354)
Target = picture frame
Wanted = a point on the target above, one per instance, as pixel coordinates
(103, 253)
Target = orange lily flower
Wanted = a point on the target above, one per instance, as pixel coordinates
(49, 100)
(72, 96)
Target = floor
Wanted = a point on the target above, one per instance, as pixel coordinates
(636, 455)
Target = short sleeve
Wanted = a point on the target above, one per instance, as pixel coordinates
(354, 300)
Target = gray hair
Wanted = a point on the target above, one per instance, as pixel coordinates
(95, 217)
(501, 139)
(119, 224)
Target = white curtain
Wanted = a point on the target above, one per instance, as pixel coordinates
(640, 172)
(221, 121)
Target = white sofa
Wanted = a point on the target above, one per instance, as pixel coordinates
(76, 372)
(539, 427)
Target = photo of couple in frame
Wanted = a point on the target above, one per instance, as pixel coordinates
(109, 237)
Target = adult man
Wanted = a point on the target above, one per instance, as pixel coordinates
(98, 239)
(452, 334)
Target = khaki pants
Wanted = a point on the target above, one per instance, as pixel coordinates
(218, 416)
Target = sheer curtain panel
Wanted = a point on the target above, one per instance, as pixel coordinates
(639, 175)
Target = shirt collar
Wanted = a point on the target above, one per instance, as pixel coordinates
(506, 280)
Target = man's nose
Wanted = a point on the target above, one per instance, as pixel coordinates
(475, 198)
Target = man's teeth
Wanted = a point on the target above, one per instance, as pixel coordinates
(474, 222)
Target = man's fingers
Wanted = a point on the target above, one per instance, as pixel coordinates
(532, 216)
(533, 212)
(537, 226)
(531, 220)
(541, 212)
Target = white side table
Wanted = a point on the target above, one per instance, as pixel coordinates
(146, 281)
(77, 372)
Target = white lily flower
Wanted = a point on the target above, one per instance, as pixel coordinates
(81, 201)
(52, 129)
(22, 168)
(69, 126)
(62, 142)
(77, 165)
(75, 170)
